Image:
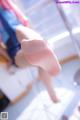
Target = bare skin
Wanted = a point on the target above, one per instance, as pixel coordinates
(30, 41)
(47, 80)
(44, 76)
(42, 73)
(22, 62)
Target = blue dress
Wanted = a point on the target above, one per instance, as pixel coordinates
(8, 24)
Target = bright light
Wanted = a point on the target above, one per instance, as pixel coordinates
(58, 37)
(76, 30)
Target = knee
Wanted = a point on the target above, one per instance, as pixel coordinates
(56, 70)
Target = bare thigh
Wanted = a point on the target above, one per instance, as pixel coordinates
(23, 32)
(21, 61)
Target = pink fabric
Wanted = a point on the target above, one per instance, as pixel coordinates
(7, 4)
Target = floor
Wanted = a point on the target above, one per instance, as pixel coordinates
(37, 104)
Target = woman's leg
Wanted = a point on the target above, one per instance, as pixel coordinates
(20, 60)
(23, 32)
(43, 76)
(46, 78)
(44, 59)
(36, 50)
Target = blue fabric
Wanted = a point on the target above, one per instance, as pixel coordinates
(12, 52)
(3, 34)
(11, 19)
(10, 22)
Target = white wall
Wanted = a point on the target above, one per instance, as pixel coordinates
(63, 47)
